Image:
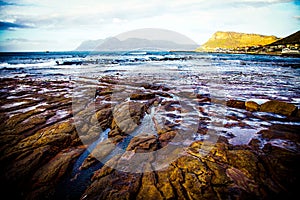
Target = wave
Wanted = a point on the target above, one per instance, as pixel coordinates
(28, 65)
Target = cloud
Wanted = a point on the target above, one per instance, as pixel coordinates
(73, 22)
(4, 3)
(17, 40)
(58, 15)
(297, 17)
(11, 26)
(254, 3)
(23, 44)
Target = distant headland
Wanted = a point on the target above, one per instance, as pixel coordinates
(233, 42)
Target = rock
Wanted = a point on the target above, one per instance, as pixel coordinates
(28, 162)
(163, 94)
(166, 137)
(283, 132)
(252, 106)
(282, 166)
(142, 96)
(115, 185)
(219, 176)
(100, 152)
(58, 135)
(245, 161)
(46, 177)
(91, 135)
(298, 113)
(279, 107)
(154, 86)
(143, 143)
(242, 181)
(102, 117)
(236, 104)
(103, 92)
(127, 117)
(148, 188)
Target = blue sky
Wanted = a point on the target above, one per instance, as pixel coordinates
(39, 25)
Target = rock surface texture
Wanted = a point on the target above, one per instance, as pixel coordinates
(137, 140)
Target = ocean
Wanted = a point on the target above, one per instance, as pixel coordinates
(240, 76)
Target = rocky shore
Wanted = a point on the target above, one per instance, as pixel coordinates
(127, 137)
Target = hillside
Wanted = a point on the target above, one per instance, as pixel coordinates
(291, 39)
(89, 45)
(230, 40)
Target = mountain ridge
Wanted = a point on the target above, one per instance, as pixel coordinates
(115, 44)
(231, 40)
(294, 38)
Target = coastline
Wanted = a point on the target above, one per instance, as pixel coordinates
(58, 134)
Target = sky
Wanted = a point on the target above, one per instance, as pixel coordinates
(58, 25)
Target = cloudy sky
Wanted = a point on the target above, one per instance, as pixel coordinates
(55, 25)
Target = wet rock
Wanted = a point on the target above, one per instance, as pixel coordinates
(170, 105)
(284, 132)
(245, 161)
(142, 96)
(221, 172)
(27, 162)
(108, 79)
(58, 135)
(154, 86)
(143, 143)
(242, 181)
(279, 107)
(166, 137)
(114, 185)
(219, 176)
(236, 104)
(127, 117)
(148, 189)
(11, 123)
(104, 91)
(102, 117)
(298, 113)
(46, 177)
(163, 94)
(252, 106)
(282, 166)
(100, 152)
(91, 134)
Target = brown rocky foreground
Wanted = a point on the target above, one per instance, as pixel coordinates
(45, 133)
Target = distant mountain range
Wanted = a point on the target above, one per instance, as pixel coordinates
(231, 40)
(141, 39)
(114, 44)
(157, 39)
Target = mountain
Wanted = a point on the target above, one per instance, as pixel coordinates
(89, 45)
(129, 44)
(291, 39)
(156, 34)
(231, 40)
(142, 39)
(114, 44)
